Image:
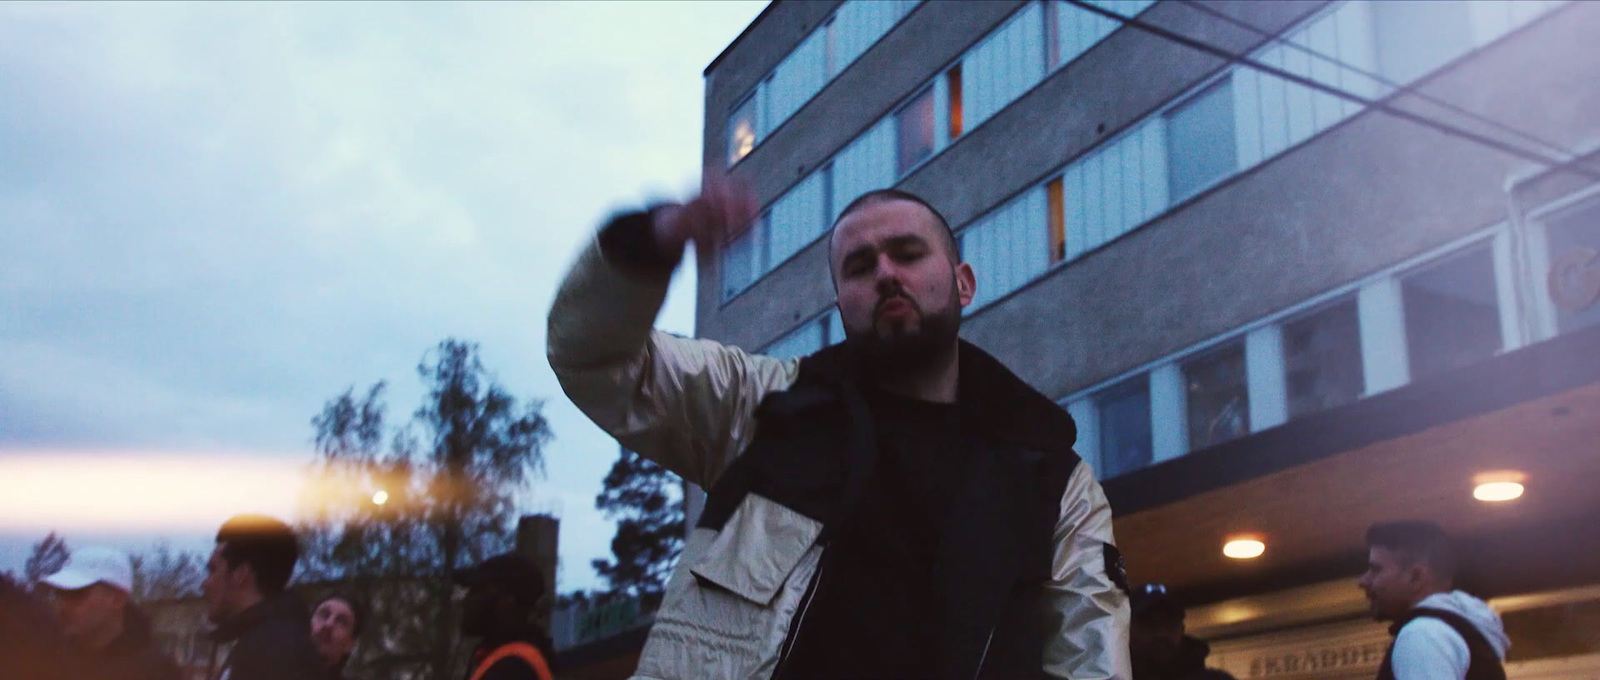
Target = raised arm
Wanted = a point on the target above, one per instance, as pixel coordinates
(683, 403)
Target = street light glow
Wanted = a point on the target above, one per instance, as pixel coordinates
(1497, 492)
(1244, 547)
(380, 497)
(1499, 486)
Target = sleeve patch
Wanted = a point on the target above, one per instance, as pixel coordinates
(1116, 567)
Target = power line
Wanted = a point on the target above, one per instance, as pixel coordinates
(1376, 77)
(1236, 58)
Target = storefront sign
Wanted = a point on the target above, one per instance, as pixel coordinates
(1317, 660)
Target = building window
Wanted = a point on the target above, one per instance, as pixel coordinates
(1452, 313)
(1056, 204)
(1322, 359)
(1052, 36)
(1217, 396)
(914, 125)
(835, 328)
(1573, 281)
(1200, 141)
(1414, 38)
(742, 129)
(827, 195)
(1124, 415)
(829, 51)
(738, 265)
(953, 80)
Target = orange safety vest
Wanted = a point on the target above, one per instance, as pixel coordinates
(522, 650)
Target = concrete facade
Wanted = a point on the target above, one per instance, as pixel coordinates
(1236, 304)
(1363, 196)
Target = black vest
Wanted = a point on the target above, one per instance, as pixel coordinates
(817, 445)
(1483, 664)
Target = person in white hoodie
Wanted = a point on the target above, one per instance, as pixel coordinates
(1440, 633)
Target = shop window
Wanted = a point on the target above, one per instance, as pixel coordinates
(1200, 141)
(1452, 313)
(1124, 415)
(1573, 280)
(1217, 395)
(1322, 359)
(914, 128)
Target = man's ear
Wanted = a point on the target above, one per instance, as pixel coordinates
(966, 283)
(244, 577)
(1418, 576)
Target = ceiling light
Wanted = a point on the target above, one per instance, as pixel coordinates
(1498, 486)
(1244, 547)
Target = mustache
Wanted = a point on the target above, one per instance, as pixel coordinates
(877, 310)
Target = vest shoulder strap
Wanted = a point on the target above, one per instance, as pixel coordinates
(1483, 663)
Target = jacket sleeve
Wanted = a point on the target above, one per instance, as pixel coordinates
(1086, 609)
(1428, 649)
(686, 404)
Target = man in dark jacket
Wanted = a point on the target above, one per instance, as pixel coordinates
(31, 644)
(498, 610)
(108, 637)
(1161, 649)
(244, 593)
(901, 505)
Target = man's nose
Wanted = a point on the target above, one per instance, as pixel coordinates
(888, 276)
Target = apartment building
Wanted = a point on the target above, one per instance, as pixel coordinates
(1294, 267)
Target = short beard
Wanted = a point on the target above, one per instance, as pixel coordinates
(909, 353)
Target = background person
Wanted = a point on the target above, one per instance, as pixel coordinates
(31, 644)
(245, 596)
(336, 625)
(498, 610)
(109, 638)
(1161, 648)
(1440, 633)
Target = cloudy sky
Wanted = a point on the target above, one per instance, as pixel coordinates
(215, 217)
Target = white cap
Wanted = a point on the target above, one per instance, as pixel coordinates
(88, 566)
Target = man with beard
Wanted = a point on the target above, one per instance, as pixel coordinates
(901, 505)
(1440, 633)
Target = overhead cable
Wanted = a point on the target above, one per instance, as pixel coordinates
(1563, 164)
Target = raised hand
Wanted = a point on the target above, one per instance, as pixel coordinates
(722, 206)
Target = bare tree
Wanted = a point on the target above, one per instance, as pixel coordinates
(47, 558)
(166, 574)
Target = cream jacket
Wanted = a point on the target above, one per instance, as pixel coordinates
(688, 405)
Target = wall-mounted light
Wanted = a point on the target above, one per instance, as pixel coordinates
(1244, 547)
(1498, 486)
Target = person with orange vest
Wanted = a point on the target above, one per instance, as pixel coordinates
(498, 610)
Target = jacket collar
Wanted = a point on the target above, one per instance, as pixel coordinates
(284, 605)
(999, 406)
